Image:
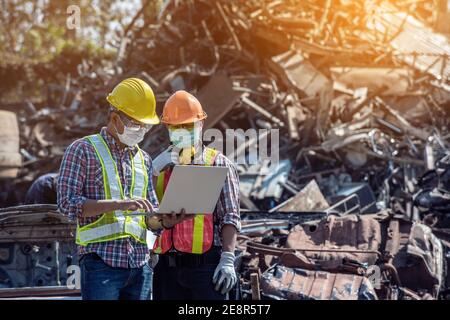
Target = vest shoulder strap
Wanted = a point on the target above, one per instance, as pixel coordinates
(113, 187)
(90, 136)
(210, 156)
(139, 179)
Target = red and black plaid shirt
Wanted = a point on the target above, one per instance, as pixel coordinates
(81, 178)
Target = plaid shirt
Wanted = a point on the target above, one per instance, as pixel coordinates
(81, 178)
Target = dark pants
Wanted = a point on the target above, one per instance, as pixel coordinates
(185, 279)
(99, 281)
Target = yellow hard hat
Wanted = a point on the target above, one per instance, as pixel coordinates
(135, 98)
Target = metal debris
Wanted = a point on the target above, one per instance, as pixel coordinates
(361, 99)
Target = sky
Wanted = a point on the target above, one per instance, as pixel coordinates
(129, 6)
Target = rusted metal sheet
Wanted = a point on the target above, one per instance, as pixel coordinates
(415, 43)
(386, 81)
(282, 283)
(310, 198)
(393, 240)
(347, 235)
(261, 226)
(299, 73)
(50, 292)
(37, 222)
(420, 258)
(217, 97)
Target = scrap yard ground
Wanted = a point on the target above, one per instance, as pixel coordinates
(358, 93)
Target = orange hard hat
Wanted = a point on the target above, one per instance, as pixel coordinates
(182, 107)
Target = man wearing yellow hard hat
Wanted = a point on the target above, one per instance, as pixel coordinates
(103, 177)
(196, 255)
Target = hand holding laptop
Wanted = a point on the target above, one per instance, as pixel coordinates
(166, 220)
(169, 220)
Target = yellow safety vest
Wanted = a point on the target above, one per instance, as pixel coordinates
(114, 225)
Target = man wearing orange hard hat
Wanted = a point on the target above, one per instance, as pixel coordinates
(196, 254)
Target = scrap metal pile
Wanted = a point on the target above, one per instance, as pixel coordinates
(359, 91)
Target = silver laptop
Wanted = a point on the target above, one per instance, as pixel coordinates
(194, 188)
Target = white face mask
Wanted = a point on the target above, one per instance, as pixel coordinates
(185, 138)
(131, 136)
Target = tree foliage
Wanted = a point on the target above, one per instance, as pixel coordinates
(37, 47)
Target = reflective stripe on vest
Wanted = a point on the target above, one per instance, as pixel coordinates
(199, 235)
(139, 183)
(114, 225)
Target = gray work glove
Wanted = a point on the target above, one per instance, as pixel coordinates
(225, 276)
(163, 159)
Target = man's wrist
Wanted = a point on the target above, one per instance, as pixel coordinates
(228, 253)
(228, 257)
(227, 250)
(116, 205)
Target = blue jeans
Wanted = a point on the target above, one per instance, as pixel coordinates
(99, 281)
